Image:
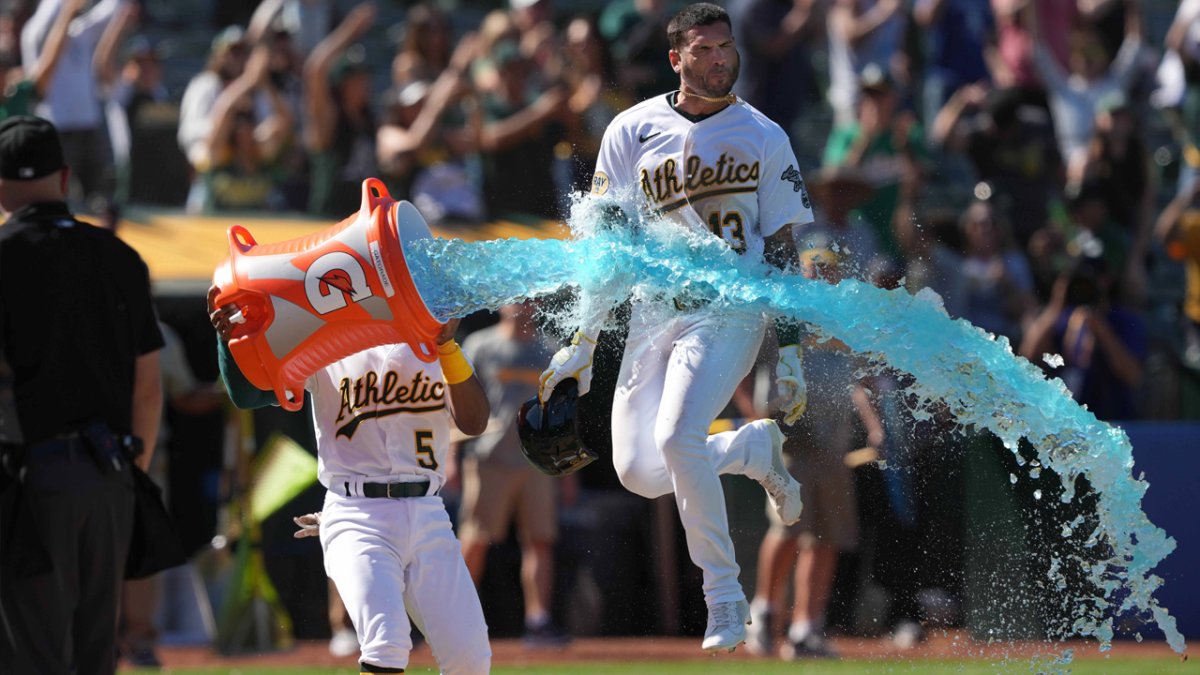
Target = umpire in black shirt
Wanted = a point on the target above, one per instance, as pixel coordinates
(80, 341)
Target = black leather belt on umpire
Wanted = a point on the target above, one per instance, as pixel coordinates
(57, 445)
(396, 490)
(96, 441)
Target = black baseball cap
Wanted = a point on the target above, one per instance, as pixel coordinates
(29, 148)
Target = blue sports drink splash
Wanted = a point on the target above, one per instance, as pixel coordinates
(955, 363)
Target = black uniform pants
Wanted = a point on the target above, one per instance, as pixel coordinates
(65, 620)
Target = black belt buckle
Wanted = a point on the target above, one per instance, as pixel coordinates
(400, 490)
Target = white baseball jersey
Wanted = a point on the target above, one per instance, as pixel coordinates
(379, 414)
(734, 169)
(734, 174)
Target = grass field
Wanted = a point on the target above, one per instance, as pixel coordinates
(1113, 666)
(941, 652)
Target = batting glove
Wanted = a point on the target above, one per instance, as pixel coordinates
(572, 361)
(310, 525)
(789, 381)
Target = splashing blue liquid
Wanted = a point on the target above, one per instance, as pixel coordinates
(954, 362)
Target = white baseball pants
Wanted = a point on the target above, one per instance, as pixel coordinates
(386, 555)
(677, 374)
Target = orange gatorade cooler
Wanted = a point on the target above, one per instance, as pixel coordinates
(308, 302)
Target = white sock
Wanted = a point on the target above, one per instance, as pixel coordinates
(799, 630)
(759, 607)
(535, 621)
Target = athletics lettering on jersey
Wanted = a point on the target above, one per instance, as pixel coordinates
(666, 190)
(386, 397)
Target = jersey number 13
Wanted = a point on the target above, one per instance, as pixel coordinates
(729, 227)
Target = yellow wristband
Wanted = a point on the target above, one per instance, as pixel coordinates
(455, 366)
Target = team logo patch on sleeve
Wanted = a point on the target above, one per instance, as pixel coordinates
(599, 183)
(792, 175)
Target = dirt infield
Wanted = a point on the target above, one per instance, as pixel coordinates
(950, 645)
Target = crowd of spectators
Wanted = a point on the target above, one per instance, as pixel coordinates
(1001, 145)
(1034, 163)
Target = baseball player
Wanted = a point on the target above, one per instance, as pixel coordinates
(382, 420)
(705, 159)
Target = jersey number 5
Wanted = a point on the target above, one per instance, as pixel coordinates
(730, 228)
(423, 439)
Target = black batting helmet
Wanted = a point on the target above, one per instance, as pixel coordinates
(549, 438)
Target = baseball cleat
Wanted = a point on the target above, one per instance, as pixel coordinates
(815, 646)
(783, 491)
(547, 636)
(726, 626)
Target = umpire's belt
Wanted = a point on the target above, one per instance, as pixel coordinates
(70, 444)
(57, 445)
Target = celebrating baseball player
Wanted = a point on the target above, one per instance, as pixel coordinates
(382, 419)
(705, 159)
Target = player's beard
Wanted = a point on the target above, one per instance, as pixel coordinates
(699, 85)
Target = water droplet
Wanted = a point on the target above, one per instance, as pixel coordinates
(1037, 494)
(1012, 478)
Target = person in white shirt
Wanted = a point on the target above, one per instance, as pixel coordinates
(72, 100)
(1074, 94)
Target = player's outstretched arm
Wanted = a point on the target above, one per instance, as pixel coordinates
(468, 401)
(780, 252)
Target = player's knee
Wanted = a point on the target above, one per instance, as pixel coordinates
(679, 446)
(634, 480)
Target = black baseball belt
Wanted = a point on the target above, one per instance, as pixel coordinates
(393, 490)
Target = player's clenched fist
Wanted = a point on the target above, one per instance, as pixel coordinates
(572, 361)
(789, 380)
